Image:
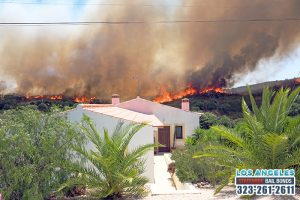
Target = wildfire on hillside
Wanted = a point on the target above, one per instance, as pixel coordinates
(83, 99)
(79, 99)
(167, 96)
(212, 89)
(297, 80)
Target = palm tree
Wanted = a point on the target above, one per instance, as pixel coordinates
(267, 138)
(112, 170)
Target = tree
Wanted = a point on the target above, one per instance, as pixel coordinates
(111, 170)
(206, 120)
(35, 152)
(268, 138)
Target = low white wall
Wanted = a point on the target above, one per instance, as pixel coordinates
(144, 136)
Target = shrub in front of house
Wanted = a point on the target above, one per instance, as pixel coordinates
(189, 169)
(34, 153)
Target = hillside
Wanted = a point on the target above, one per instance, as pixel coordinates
(257, 88)
(230, 103)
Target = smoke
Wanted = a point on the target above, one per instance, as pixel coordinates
(2, 87)
(222, 50)
(140, 59)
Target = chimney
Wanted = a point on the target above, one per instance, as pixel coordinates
(185, 104)
(115, 99)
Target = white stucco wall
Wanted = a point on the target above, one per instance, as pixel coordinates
(169, 116)
(173, 117)
(144, 136)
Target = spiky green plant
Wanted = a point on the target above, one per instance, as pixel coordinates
(268, 138)
(111, 170)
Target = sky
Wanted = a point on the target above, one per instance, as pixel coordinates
(75, 10)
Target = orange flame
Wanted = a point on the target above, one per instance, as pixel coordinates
(38, 97)
(297, 80)
(83, 99)
(56, 97)
(212, 89)
(167, 96)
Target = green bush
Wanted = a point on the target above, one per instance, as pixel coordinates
(191, 169)
(187, 168)
(206, 120)
(34, 153)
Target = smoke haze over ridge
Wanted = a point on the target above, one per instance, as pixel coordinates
(99, 60)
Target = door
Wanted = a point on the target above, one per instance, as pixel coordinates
(164, 139)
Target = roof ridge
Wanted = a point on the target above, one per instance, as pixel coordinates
(126, 114)
(95, 105)
(139, 98)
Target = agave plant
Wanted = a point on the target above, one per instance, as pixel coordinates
(267, 138)
(111, 170)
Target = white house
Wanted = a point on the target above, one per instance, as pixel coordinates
(166, 125)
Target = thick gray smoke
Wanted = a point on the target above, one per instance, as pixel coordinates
(132, 59)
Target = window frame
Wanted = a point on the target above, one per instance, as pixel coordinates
(175, 132)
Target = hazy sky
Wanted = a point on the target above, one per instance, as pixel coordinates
(75, 10)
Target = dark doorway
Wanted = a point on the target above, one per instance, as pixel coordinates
(164, 138)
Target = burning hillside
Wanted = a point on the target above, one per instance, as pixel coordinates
(78, 99)
(168, 97)
(202, 44)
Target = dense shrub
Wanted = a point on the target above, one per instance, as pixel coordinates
(206, 120)
(34, 153)
(187, 168)
(190, 169)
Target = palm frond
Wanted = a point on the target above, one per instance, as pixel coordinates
(276, 147)
(267, 137)
(133, 129)
(255, 108)
(229, 135)
(111, 169)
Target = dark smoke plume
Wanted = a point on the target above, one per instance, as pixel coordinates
(132, 59)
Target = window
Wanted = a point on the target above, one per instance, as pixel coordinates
(178, 132)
